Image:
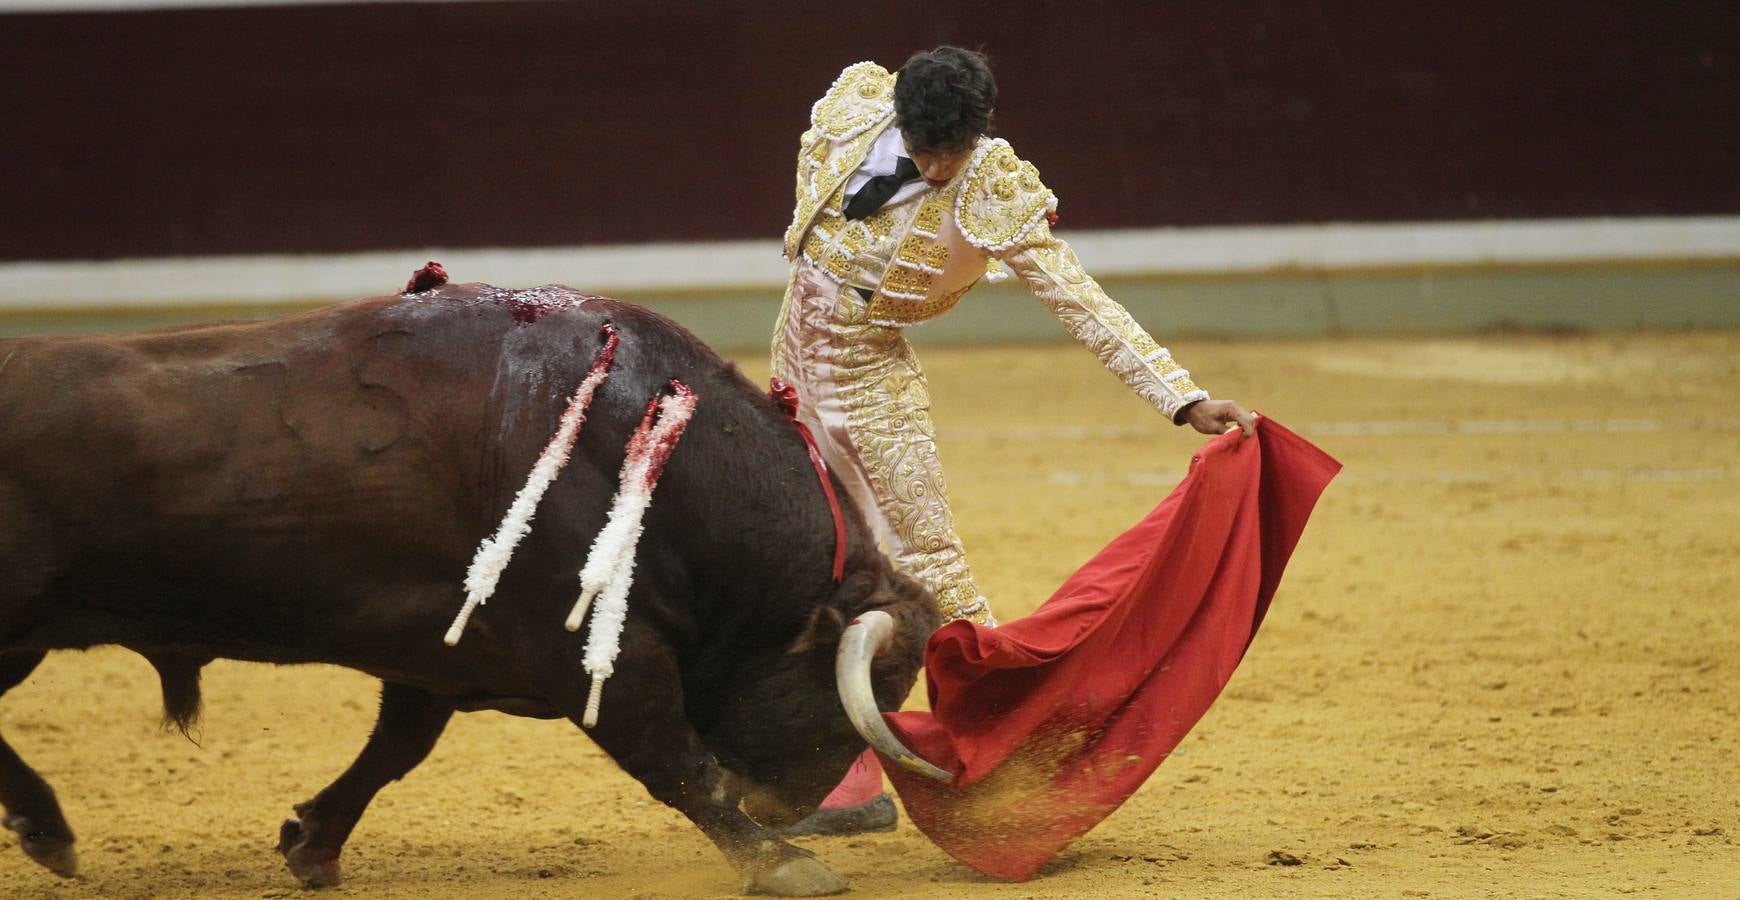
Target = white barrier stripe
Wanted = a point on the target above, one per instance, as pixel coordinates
(1380, 428)
(757, 265)
(1354, 475)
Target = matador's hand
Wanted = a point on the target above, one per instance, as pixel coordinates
(1218, 416)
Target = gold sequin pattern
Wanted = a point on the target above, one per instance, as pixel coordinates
(929, 218)
(863, 94)
(880, 224)
(1002, 199)
(902, 280)
(918, 252)
(904, 298)
(1144, 346)
(1184, 387)
(833, 244)
(1163, 363)
(899, 312)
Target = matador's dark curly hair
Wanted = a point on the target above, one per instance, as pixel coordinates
(943, 99)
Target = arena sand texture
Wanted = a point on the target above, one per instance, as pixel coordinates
(1505, 662)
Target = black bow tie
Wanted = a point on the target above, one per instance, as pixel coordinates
(877, 190)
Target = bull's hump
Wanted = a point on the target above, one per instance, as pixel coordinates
(525, 306)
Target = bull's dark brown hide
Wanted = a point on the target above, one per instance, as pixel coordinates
(312, 489)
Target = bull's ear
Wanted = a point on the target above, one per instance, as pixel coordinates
(823, 629)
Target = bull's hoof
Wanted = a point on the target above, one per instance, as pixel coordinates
(801, 876)
(311, 869)
(52, 851)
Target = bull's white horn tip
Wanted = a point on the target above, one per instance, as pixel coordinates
(867, 635)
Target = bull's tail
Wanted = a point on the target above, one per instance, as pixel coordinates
(179, 675)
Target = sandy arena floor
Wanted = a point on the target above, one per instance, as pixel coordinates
(1505, 662)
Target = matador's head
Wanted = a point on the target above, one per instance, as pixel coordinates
(942, 105)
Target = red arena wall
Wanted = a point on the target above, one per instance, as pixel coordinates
(353, 127)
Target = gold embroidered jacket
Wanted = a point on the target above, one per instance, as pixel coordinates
(995, 210)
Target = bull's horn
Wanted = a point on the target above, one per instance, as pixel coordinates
(864, 638)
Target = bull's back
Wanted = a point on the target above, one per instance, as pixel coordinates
(341, 455)
(289, 449)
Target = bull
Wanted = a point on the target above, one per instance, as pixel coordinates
(312, 489)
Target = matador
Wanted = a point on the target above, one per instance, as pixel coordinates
(903, 203)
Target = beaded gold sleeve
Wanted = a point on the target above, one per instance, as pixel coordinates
(1056, 277)
(1003, 208)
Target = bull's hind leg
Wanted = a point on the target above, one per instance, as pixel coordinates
(31, 809)
(410, 722)
(643, 728)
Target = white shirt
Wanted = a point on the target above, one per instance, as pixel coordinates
(888, 150)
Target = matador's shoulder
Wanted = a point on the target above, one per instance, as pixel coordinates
(1002, 202)
(860, 98)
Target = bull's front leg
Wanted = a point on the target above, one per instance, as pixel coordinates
(31, 809)
(410, 722)
(642, 727)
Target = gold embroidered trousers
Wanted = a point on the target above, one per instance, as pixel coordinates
(862, 393)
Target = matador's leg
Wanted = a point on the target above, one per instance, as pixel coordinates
(862, 394)
(884, 447)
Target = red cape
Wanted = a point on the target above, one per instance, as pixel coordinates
(1049, 723)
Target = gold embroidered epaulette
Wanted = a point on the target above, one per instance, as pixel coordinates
(1002, 199)
(862, 96)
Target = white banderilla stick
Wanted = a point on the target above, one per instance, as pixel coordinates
(609, 569)
(495, 551)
